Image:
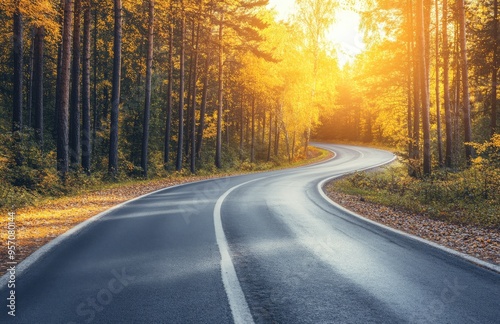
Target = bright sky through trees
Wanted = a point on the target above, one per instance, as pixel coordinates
(344, 35)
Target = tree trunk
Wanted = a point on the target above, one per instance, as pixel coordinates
(59, 66)
(218, 150)
(37, 96)
(115, 95)
(86, 145)
(263, 138)
(457, 93)
(178, 164)
(252, 144)
(277, 135)
(147, 100)
(427, 37)
(424, 86)
(270, 136)
(203, 109)
(168, 126)
(106, 100)
(188, 119)
(447, 109)
(287, 141)
(63, 90)
(247, 130)
(465, 82)
(192, 130)
(96, 115)
(409, 51)
(416, 107)
(242, 122)
(17, 114)
(438, 96)
(494, 71)
(74, 108)
(227, 131)
(415, 140)
(29, 98)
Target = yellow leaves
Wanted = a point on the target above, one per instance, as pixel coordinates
(293, 81)
(495, 140)
(478, 160)
(211, 125)
(488, 152)
(36, 13)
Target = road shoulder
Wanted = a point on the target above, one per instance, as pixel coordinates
(477, 242)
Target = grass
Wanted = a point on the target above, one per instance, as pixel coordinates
(463, 197)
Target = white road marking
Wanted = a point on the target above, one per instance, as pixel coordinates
(237, 302)
(45, 249)
(362, 155)
(469, 258)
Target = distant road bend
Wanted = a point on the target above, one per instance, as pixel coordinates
(263, 248)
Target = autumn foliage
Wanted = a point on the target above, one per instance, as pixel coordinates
(142, 88)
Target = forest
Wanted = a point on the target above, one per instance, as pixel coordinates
(427, 83)
(142, 88)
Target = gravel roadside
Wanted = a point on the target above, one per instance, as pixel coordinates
(482, 243)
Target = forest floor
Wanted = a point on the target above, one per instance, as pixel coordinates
(479, 242)
(36, 225)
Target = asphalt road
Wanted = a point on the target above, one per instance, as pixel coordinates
(267, 248)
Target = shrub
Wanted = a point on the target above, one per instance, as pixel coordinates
(468, 196)
(25, 165)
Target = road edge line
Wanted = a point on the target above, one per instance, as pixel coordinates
(237, 302)
(469, 258)
(25, 264)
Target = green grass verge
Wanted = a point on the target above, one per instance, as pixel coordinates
(470, 196)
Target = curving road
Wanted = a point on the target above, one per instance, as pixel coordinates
(263, 248)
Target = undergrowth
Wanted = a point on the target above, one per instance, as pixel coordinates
(29, 176)
(468, 196)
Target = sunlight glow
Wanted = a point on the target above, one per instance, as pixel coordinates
(344, 36)
(284, 8)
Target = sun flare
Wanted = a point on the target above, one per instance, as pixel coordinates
(344, 35)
